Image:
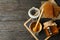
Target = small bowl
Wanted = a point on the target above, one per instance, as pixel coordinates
(38, 29)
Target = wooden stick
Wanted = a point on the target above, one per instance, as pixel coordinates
(47, 37)
(38, 20)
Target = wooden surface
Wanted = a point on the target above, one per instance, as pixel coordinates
(13, 13)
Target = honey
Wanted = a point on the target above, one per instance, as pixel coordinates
(50, 28)
(51, 10)
(32, 26)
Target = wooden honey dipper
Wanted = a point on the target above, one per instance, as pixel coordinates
(35, 28)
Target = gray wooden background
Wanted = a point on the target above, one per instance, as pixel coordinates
(13, 13)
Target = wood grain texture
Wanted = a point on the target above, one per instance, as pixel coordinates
(14, 30)
(12, 16)
(15, 9)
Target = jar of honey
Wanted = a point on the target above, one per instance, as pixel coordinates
(50, 28)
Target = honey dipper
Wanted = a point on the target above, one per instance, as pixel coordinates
(35, 28)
